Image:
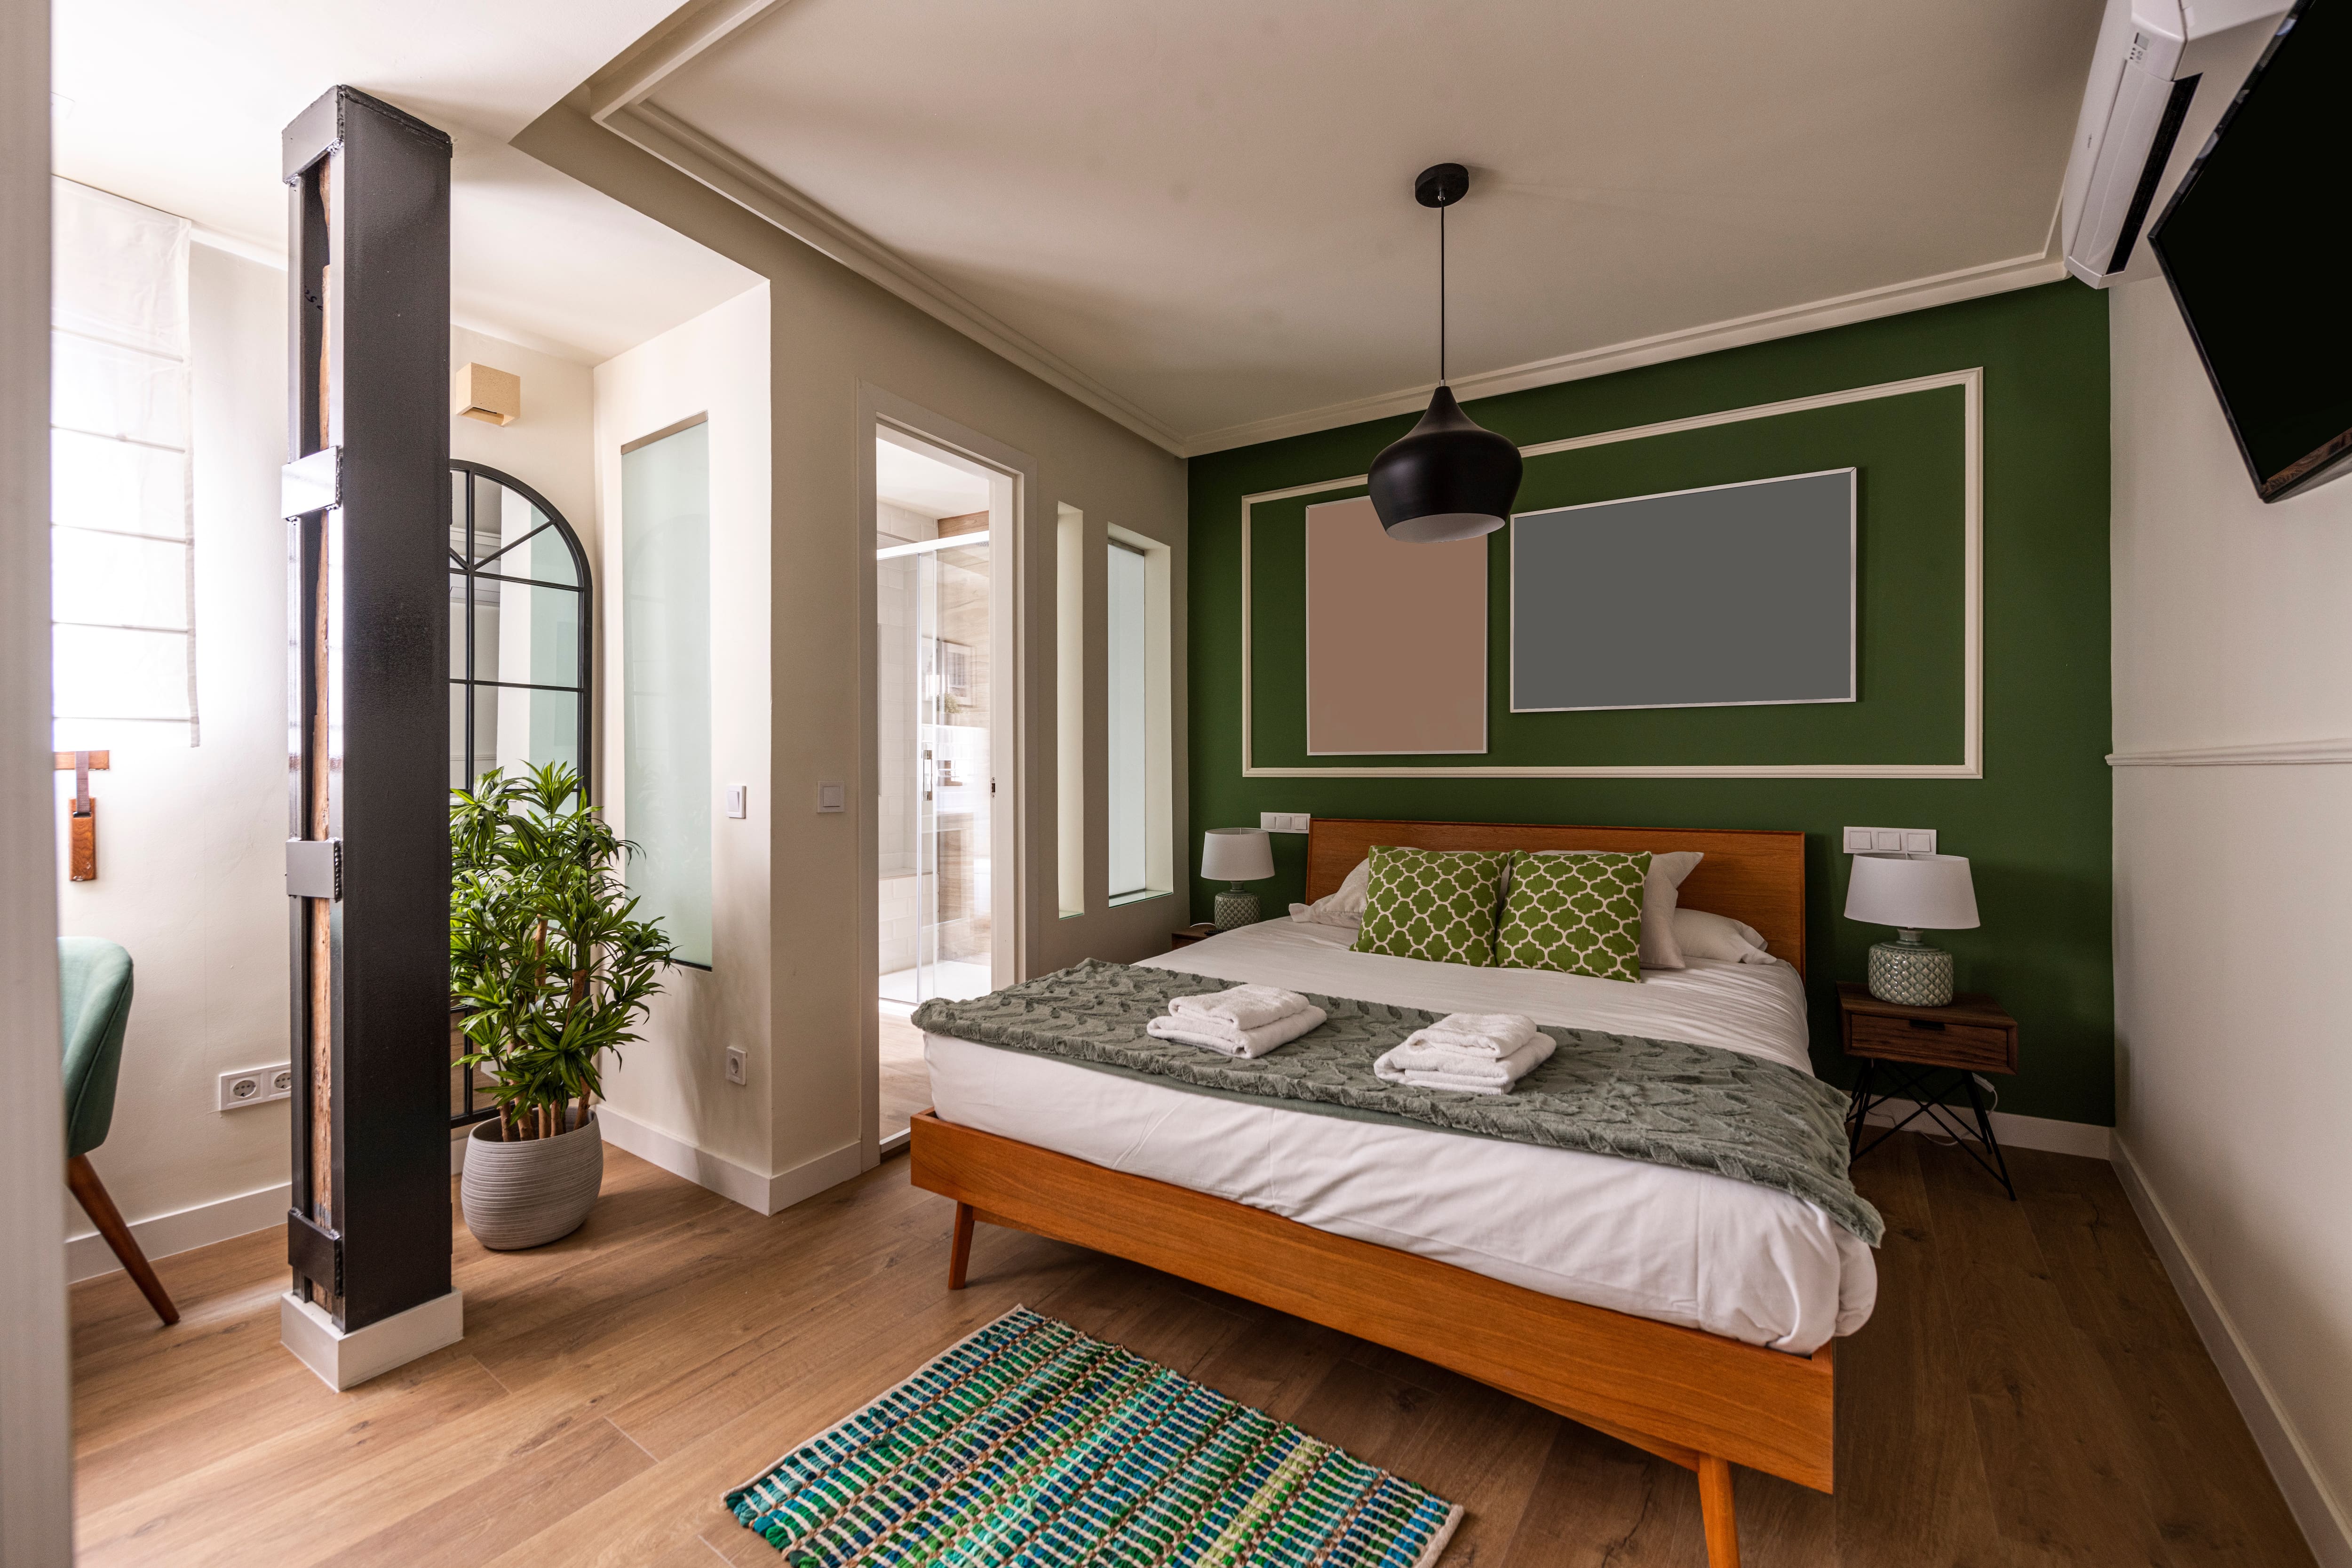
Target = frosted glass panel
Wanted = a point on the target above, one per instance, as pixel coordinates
(1130, 721)
(665, 682)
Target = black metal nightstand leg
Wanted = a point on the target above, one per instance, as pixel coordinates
(1859, 1111)
(1984, 1131)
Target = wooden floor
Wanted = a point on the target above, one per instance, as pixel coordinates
(906, 1078)
(2029, 1393)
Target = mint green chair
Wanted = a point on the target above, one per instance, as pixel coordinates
(94, 994)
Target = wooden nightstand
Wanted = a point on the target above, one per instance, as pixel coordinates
(1190, 935)
(1909, 1047)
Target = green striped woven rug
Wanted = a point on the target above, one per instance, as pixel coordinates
(1029, 1443)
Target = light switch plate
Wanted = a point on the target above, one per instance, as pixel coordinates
(738, 799)
(832, 797)
(1890, 840)
(1284, 821)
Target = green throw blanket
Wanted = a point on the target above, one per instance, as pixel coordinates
(1701, 1107)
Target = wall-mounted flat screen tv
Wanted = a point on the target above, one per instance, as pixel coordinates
(2250, 245)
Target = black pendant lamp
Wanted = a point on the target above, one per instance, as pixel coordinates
(1448, 477)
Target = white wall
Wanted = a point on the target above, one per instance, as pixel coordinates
(191, 868)
(669, 1098)
(836, 339)
(553, 447)
(36, 1423)
(2233, 1041)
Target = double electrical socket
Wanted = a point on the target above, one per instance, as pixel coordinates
(1890, 841)
(256, 1086)
(1284, 821)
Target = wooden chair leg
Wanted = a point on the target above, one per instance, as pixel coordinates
(960, 1250)
(91, 1192)
(1714, 1512)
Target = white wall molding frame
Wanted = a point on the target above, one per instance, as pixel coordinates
(2327, 1522)
(2269, 753)
(617, 97)
(1971, 765)
(753, 188)
(765, 1195)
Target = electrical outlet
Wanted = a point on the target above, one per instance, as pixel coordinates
(1284, 821)
(255, 1086)
(1890, 841)
(736, 1068)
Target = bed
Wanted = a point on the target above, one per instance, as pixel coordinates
(1691, 1315)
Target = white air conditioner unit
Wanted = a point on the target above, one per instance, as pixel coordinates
(2163, 73)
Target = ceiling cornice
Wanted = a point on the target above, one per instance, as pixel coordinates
(615, 97)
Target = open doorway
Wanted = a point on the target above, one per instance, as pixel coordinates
(942, 689)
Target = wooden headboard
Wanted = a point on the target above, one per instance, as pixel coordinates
(1756, 877)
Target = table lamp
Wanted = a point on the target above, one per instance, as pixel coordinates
(1236, 854)
(1912, 893)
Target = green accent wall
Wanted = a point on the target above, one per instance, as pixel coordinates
(2035, 826)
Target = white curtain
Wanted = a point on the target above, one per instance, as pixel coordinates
(122, 587)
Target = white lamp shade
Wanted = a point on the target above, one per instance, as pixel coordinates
(1236, 854)
(1912, 893)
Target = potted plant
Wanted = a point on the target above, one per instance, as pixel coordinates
(550, 970)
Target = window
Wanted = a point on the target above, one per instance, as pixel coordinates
(121, 594)
(519, 645)
(666, 680)
(1070, 708)
(1127, 687)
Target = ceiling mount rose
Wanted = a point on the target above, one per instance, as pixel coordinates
(1448, 478)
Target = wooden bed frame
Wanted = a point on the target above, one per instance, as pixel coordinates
(1705, 1402)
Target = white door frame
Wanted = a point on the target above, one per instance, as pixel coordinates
(1013, 492)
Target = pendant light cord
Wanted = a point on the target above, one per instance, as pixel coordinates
(1441, 296)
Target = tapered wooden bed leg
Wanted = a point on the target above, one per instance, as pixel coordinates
(960, 1250)
(1714, 1512)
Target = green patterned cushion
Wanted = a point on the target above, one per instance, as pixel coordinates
(1437, 904)
(1579, 913)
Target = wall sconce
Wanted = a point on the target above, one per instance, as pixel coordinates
(82, 847)
(492, 396)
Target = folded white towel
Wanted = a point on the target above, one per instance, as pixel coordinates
(1419, 1065)
(1493, 1035)
(1220, 1036)
(1243, 1006)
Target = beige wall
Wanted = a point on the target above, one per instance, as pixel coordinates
(669, 1098)
(2234, 1047)
(834, 335)
(191, 871)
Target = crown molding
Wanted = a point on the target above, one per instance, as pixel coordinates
(1894, 300)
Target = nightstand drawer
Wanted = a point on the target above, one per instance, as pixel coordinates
(1930, 1040)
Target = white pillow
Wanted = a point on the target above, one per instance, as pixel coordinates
(1344, 908)
(1704, 935)
(1660, 949)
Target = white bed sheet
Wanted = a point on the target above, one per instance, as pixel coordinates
(1681, 1246)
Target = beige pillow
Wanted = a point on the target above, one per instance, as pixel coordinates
(1704, 935)
(1344, 908)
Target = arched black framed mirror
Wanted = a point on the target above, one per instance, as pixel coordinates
(521, 630)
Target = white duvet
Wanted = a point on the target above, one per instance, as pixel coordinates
(1681, 1246)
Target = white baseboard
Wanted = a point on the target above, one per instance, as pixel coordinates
(88, 1256)
(2327, 1525)
(2015, 1131)
(347, 1359)
(766, 1194)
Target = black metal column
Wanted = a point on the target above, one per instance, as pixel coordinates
(368, 664)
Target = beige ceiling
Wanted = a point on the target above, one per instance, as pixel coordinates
(1198, 215)
(180, 106)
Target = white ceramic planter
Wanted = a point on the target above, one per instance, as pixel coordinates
(533, 1192)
